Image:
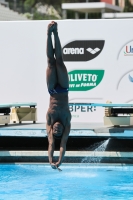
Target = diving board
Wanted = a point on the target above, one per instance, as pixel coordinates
(110, 105)
(16, 104)
(18, 112)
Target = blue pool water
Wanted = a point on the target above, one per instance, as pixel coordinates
(75, 182)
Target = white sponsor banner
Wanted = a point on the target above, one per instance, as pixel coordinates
(98, 55)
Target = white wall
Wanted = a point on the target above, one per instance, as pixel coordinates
(23, 63)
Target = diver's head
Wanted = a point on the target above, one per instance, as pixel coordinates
(58, 129)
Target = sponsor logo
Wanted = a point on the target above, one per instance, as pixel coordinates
(128, 50)
(75, 108)
(83, 50)
(83, 80)
(93, 51)
(125, 81)
(73, 51)
(130, 78)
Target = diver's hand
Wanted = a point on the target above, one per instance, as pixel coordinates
(53, 165)
(56, 166)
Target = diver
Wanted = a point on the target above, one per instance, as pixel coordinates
(58, 115)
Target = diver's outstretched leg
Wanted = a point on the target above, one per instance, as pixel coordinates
(51, 74)
(62, 74)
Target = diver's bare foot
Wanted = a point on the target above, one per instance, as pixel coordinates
(50, 28)
(55, 28)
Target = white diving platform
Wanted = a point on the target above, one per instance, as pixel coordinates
(25, 112)
(116, 114)
(17, 112)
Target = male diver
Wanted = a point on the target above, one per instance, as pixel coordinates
(58, 115)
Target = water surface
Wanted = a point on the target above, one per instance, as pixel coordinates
(79, 182)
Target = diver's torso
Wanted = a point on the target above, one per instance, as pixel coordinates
(59, 109)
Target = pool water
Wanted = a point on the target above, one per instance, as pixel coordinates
(74, 182)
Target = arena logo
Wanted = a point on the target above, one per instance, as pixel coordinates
(83, 50)
(84, 80)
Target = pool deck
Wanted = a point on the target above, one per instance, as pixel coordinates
(70, 157)
(77, 130)
(117, 151)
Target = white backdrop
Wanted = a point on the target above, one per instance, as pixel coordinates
(23, 63)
